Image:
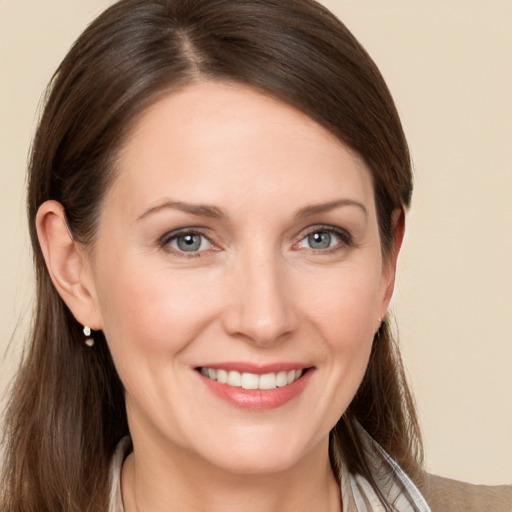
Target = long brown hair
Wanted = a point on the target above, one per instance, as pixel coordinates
(66, 412)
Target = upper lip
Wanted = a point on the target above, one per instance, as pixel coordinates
(256, 368)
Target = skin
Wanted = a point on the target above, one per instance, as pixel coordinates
(257, 290)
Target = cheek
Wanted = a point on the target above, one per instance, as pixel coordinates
(346, 305)
(346, 315)
(143, 309)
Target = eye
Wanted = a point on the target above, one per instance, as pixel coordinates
(324, 238)
(187, 242)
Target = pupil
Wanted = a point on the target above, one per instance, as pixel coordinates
(320, 240)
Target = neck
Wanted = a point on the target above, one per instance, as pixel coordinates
(154, 482)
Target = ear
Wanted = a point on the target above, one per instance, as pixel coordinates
(67, 264)
(390, 263)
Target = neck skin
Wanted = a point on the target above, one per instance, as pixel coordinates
(153, 481)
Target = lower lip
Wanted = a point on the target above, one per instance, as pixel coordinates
(258, 399)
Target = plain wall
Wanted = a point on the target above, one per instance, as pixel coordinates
(449, 66)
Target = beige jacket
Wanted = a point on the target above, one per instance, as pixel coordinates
(446, 495)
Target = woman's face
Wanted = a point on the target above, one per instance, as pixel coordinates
(239, 242)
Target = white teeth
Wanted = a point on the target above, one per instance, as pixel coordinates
(234, 379)
(222, 376)
(281, 379)
(268, 381)
(252, 380)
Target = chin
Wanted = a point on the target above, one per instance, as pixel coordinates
(262, 463)
(261, 454)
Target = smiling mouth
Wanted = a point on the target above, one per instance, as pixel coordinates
(246, 380)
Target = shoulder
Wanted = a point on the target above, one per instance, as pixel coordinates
(447, 495)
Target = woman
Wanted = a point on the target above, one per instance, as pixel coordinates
(216, 203)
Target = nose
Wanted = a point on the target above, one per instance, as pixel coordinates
(261, 303)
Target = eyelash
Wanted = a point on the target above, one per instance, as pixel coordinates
(346, 240)
(168, 238)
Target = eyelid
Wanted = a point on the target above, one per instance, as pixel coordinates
(174, 233)
(165, 240)
(343, 234)
(347, 240)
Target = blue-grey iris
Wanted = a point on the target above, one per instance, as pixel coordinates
(189, 243)
(319, 240)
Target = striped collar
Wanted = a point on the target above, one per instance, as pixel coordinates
(359, 496)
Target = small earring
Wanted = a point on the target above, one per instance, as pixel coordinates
(87, 332)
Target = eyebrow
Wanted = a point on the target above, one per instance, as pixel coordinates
(201, 210)
(331, 205)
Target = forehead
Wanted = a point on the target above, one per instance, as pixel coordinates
(210, 141)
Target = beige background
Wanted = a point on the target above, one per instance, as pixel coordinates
(449, 66)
